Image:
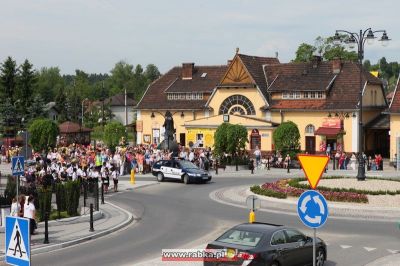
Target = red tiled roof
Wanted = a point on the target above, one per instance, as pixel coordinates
(71, 127)
(119, 100)
(254, 64)
(395, 103)
(342, 94)
(155, 96)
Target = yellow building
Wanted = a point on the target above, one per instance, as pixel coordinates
(394, 111)
(260, 93)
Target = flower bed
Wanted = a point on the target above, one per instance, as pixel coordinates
(282, 189)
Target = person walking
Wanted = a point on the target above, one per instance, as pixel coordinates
(257, 154)
(15, 207)
(114, 175)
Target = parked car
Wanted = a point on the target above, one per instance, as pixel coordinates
(256, 244)
(181, 170)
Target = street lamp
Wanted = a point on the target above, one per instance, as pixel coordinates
(354, 39)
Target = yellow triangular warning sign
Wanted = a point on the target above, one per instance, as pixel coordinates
(313, 167)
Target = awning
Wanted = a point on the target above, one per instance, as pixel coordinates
(327, 131)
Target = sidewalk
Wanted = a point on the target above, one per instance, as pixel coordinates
(392, 260)
(75, 230)
(236, 196)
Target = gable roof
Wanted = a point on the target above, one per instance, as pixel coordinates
(254, 65)
(155, 96)
(71, 127)
(394, 106)
(119, 100)
(342, 88)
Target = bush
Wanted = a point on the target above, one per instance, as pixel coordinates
(60, 197)
(44, 197)
(72, 195)
(267, 192)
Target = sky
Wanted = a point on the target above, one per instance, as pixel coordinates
(93, 35)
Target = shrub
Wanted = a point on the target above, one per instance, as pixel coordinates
(72, 194)
(44, 134)
(287, 138)
(60, 197)
(113, 132)
(44, 197)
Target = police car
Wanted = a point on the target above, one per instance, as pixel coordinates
(181, 170)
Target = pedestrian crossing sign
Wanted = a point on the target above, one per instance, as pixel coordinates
(18, 246)
(17, 165)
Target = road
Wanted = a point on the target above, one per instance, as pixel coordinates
(174, 215)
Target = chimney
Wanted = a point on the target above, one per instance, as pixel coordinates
(187, 70)
(336, 65)
(316, 59)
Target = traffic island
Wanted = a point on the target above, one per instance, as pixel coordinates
(372, 192)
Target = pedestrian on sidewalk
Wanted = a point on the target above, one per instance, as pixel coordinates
(30, 213)
(106, 179)
(114, 175)
(15, 207)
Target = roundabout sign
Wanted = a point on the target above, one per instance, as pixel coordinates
(312, 209)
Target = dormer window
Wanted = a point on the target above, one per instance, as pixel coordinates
(303, 95)
(185, 96)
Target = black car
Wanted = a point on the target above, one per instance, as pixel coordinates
(256, 244)
(181, 170)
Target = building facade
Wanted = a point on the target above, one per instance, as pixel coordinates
(260, 93)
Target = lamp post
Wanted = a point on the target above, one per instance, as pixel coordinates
(353, 39)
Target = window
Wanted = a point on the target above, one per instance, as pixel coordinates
(185, 96)
(291, 95)
(310, 129)
(278, 238)
(313, 94)
(285, 95)
(294, 236)
(238, 237)
(156, 136)
(237, 101)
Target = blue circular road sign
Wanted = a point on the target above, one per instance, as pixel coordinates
(312, 209)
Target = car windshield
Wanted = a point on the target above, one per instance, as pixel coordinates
(238, 237)
(188, 165)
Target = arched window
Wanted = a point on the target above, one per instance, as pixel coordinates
(237, 104)
(310, 129)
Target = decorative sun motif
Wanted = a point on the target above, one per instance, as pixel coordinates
(237, 104)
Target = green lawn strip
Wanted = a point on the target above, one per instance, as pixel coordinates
(295, 182)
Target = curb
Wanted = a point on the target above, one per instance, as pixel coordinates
(40, 250)
(227, 201)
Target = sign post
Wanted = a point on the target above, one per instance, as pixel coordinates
(17, 168)
(253, 203)
(312, 207)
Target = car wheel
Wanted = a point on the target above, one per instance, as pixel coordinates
(320, 259)
(160, 177)
(186, 179)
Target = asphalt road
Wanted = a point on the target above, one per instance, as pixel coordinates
(174, 215)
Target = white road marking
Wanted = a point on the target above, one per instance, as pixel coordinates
(345, 246)
(369, 249)
(393, 251)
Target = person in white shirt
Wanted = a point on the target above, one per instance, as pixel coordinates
(30, 213)
(15, 207)
(114, 175)
(191, 156)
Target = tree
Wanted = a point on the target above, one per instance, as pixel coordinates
(37, 108)
(113, 132)
(287, 137)
(237, 139)
(325, 48)
(62, 105)
(8, 78)
(221, 139)
(26, 83)
(9, 118)
(49, 82)
(304, 53)
(151, 73)
(44, 134)
(122, 77)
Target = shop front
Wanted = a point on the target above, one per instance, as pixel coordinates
(331, 133)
